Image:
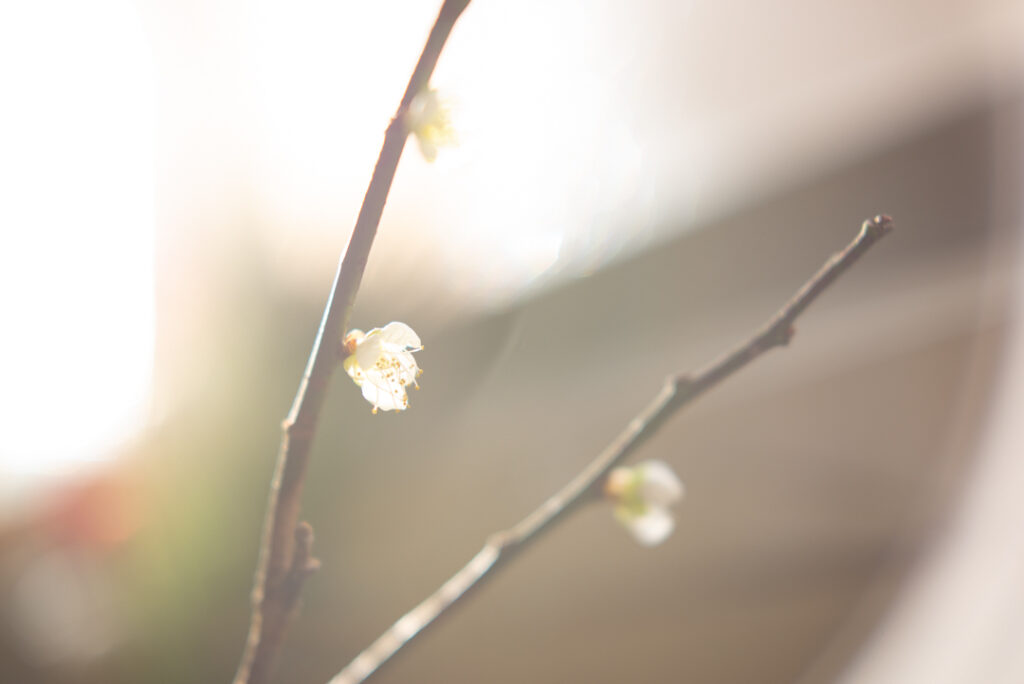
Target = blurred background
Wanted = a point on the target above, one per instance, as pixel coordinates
(636, 186)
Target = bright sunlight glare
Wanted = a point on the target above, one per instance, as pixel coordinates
(547, 167)
(77, 216)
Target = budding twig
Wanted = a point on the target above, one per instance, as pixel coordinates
(677, 391)
(285, 559)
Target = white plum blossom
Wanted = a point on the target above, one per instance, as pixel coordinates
(381, 363)
(643, 495)
(428, 119)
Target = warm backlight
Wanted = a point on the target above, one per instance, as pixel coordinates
(77, 220)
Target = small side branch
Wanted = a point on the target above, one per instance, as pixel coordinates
(286, 559)
(677, 391)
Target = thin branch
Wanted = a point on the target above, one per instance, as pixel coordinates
(285, 559)
(677, 391)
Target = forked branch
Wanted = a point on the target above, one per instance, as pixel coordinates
(677, 391)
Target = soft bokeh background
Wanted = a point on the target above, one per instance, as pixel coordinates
(636, 187)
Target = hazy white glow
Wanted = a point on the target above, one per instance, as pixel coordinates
(77, 216)
(546, 170)
(591, 124)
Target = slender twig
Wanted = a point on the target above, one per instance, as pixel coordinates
(285, 559)
(677, 391)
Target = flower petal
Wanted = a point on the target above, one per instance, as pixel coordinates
(653, 527)
(659, 485)
(385, 394)
(406, 368)
(401, 335)
(427, 148)
(354, 370)
(382, 364)
(369, 349)
(428, 119)
(423, 111)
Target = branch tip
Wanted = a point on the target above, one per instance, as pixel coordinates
(678, 390)
(877, 227)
